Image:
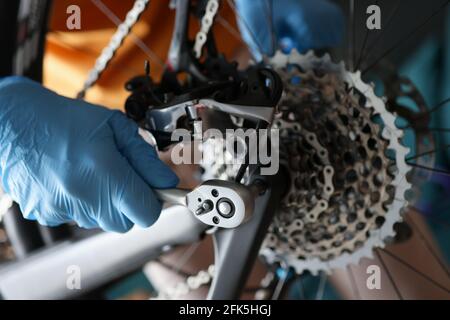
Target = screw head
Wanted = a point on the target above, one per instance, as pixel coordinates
(206, 205)
(224, 208)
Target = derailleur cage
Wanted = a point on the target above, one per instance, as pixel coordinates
(254, 97)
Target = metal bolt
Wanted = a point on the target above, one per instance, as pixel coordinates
(225, 208)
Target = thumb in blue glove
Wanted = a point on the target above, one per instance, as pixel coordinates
(300, 24)
(63, 159)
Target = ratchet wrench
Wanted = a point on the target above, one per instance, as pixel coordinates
(216, 203)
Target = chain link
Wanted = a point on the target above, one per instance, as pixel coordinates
(123, 30)
(212, 7)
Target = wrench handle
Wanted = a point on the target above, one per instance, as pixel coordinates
(173, 196)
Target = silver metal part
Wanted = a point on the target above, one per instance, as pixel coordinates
(239, 196)
(173, 196)
(217, 203)
(225, 208)
(165, 119)
(246, 112)
(101, 258)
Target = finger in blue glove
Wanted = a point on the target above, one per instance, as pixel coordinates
(63, 159)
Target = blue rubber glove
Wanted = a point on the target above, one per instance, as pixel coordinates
(67, 160)
(301, 24)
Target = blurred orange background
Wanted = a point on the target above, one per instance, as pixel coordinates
(71, 54)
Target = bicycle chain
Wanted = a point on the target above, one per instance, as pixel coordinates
(116, 41)
(325, 247)
(212, 7)
(181, 289)
(311, 203)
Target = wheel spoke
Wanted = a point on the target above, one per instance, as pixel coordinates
(432, 129)
(417, 156)
(439, 105)
(406, 264)
(432, 110)
(301, 289)
(138, 42)
(273, 37)
(429, 247)
(186, 256)
(366, 37)
(407, 37)
(246, 26)
(280, 286)
(369, 51)
(227, 26)
(440, 171)
(351, 36)
(353, 283)
(391, 279)
(321, 288)
(172, 268)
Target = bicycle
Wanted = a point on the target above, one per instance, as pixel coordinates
(310, 131)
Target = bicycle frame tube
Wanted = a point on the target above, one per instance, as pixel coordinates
(100, 258)
(177, 45)
(179, 57)
(237, 249)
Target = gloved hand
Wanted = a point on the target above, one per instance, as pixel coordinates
(63, 159)
(301, 24)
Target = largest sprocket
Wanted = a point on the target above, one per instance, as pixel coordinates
(346, 162)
